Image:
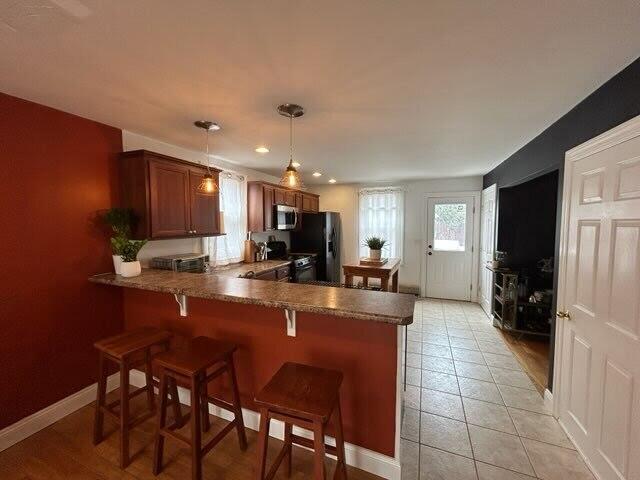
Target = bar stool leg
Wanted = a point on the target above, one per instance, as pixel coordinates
(172, 386)
(342, 461)
(242, 436)
(289, 446)
(124, 413)
(263, 440)
(149, 378)
(158, 448)
(318, 446)
(204, 408)
(196, 434)
(100, 400)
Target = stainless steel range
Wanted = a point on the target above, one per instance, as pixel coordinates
(303, 265)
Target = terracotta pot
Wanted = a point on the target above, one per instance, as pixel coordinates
(130, 269)
(375, 254)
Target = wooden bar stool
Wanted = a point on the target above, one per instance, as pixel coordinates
(307, 397)
(129, 350)
(191, 363)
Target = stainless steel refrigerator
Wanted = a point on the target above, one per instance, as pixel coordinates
(320, 234)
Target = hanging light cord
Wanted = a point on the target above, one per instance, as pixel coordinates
(208, 163)
(290, 140)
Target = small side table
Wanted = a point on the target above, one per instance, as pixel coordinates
(386, 272)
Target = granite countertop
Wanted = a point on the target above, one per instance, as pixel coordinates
(241, 269)
(386, 307)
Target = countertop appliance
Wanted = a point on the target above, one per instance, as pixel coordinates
(320, 234)
(184, 262)
(303, 265)
(285, 217)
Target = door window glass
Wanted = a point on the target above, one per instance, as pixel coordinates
(449, 227)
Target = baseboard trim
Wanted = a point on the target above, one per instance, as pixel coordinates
(47, 416)
(359, 457)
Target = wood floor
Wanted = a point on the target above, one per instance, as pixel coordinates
(533, 354)
(65, 451)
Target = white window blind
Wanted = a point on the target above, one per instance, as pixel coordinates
(381, 214)
(229, 248)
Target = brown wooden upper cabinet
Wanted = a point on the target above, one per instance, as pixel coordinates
(163, 193)
(262, 196)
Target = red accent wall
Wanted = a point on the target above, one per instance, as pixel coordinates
(56, 171)
(364, 351)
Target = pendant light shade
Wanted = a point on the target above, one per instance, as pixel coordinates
(208, 184)
(291, 177)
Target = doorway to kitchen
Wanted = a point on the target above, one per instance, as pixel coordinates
(450, 257)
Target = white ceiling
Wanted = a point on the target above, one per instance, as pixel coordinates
(392, 89)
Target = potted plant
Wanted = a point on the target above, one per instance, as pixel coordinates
(119, 219)
(130, 266)
(375, 245)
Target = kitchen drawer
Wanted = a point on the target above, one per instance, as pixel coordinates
(283, 272)
(270, 275)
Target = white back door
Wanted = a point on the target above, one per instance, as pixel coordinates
(487, 242)
(449, 247)
(599, 379)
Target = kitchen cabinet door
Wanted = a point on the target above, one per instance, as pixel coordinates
(290, 198)
(279, 197)
(169, 199)
(204, 206)
(310, 203)
(268, 202)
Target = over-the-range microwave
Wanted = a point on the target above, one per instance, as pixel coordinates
(285, 217)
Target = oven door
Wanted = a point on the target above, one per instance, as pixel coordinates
(285, 217)
(306, 273)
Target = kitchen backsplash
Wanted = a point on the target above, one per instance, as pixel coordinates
(279, 234)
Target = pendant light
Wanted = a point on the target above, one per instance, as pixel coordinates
(291, 177)
(208, 184)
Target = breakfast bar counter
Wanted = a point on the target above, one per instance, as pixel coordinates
(393, 308)
(358, 332)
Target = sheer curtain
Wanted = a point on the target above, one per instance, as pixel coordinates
(382, 215)
(229, 248)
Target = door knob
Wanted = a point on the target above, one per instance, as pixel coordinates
(429, 253)
(429, 246)
(565, 314)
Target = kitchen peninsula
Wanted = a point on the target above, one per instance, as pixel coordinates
(355, 331)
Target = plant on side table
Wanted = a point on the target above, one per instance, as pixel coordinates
(130, 265)
(375, 245)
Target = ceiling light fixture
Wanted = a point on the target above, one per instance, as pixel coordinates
(296, 164)
(208, 184)
(262, 150)
(291, 178)
(332, 180)
(317, 174)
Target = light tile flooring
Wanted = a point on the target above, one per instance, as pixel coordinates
(470, 412)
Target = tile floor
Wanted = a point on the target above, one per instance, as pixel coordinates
(470, 412)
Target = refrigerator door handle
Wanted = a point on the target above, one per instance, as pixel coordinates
(333, 242)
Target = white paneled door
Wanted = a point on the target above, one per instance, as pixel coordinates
(599, 302)
(449, 247)
(487, 241)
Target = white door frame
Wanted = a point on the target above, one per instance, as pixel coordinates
(490, 190)
(617, 135)
(475, 245)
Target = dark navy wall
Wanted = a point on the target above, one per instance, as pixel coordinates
(615, 102)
